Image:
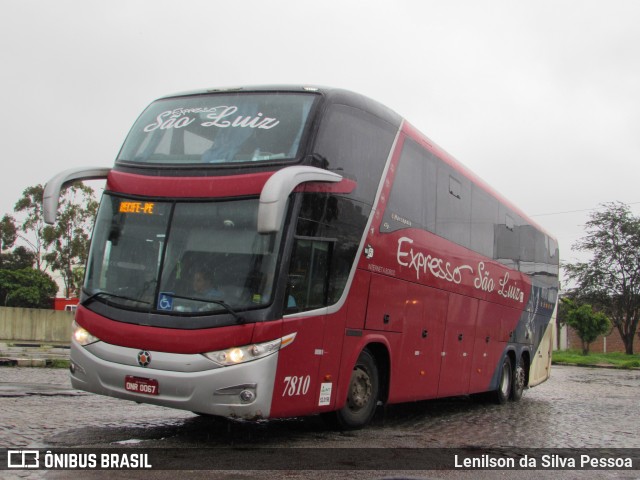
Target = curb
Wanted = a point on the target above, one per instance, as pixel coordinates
(8, 362)
(594, 365)
(32, 362)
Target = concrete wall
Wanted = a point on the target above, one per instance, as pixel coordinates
(35, 325)
(561, 340)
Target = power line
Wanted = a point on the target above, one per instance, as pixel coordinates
(576, 211)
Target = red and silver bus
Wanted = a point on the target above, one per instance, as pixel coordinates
(275, 252)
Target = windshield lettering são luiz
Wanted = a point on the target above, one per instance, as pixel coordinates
(219, 129)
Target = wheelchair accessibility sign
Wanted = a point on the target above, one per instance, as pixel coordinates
(165, 301)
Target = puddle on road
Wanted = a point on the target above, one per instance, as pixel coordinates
(196, 431)
(424, 424)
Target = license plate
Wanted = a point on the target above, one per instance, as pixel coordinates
(148, 386)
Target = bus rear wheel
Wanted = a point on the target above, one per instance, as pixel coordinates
(502, 394)
(363, 393)
(519, 380)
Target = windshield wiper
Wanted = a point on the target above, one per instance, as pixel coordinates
(239, 318)
(114, 295)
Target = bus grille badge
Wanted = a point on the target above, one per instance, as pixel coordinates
(144, 358)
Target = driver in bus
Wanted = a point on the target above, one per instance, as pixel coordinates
(202, 285)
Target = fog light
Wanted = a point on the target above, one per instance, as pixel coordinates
(247, 396)
(76, 369)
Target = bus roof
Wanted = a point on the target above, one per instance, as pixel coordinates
(347, 97)
(332, 95)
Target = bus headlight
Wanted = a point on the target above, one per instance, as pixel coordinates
(248, 353)
(82, 336)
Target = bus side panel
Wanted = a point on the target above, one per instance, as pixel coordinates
(358, 300)
(387, 303)
(294, 392)
(415, 365)
(509, 325)
(321, 344)
(490, 343)
(541, 365)
(459, 342)
(341, 327)
(329, 373)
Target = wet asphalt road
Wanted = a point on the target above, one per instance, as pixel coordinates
(576, 408)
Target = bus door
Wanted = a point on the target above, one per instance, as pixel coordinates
(457, 351)
(297, 380)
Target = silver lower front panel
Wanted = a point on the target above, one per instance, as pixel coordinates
(239, 391)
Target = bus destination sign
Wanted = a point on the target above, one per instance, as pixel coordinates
(137, 207)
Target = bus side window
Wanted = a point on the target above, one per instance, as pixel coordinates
(356, 144)
(308, 275)
(484, 218)
(453, 215)
(412, 202)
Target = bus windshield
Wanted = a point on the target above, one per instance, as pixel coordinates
(219, 129)
(189, 258)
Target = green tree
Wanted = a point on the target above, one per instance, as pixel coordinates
(8, 232)
(587, 323)
(28, 288)
(67, 242)
(8, 235)
(20, 258)
(611, 279)
(32, 227)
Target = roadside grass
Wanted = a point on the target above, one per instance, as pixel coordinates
(58, 363)
(616, 359)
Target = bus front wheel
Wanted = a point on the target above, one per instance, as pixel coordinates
(363, 393)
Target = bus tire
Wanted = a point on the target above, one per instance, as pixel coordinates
(519, 380)
(505, 381)
(362, 395)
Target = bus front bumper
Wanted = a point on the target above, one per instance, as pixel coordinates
(186, 382)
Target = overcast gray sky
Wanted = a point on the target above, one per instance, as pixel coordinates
(540, 98)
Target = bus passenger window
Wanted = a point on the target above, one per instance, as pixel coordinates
(509, 223)
(412, 202)
(484, 218)
(356, 144)
(453, 216)
(339, 221)
(455, 188)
